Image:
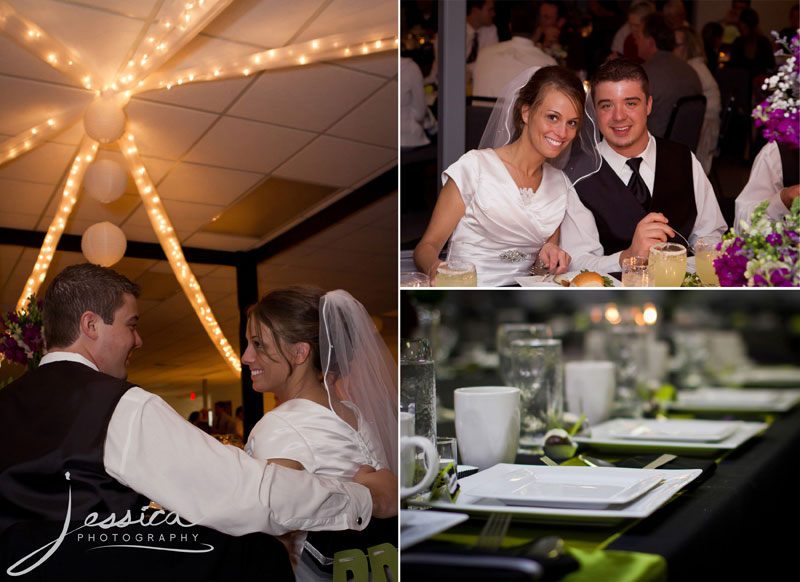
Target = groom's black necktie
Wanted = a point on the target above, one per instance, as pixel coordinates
(636, 183)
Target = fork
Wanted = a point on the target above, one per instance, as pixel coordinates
(494, 532)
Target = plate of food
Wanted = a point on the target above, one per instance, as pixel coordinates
(583, 278)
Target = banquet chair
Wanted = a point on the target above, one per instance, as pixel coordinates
(686, 121)
(477, 116)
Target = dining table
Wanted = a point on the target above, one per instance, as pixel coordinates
(739, 520)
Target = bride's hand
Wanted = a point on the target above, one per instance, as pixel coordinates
(554, 258)
(433, 270)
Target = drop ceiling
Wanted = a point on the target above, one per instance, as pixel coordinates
(237, 162)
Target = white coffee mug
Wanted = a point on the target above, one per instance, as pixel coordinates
(590, 389)
(408, 457)
(487, 424)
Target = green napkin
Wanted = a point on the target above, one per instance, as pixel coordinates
(601, 566)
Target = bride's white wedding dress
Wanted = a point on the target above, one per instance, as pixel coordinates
(315, 437)
(504, 226)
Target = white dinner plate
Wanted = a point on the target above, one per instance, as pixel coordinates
(672, 430)
(735, 400)
(470, 502)
(571, 488)
(416, 525)
(536, 280)
(768, 376)
(603, 438)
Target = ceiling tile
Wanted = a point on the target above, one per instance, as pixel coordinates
(87, 209)
(369, 122)
(291, 97)
(24, 104)
(210, 96)
(336, 161)
(383, 64)
(247, 145)
(341, 15)
(273, 204)
(209, 185)
(18, 220)
(221, 242)
(23, 197)
(18, 62)
(165, 131)
(244, 21)
(46, 164)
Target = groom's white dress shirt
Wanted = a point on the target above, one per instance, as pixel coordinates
(579, 235)
(154, 451)
(765, 183)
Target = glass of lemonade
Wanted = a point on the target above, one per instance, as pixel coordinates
(705, 253)
(667, 264)
(635, 272)
(456, 274)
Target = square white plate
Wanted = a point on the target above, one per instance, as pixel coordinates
(768, 376)
(536, 280)
(602, 438)
(733, 400)
(672, 430)
(568, 488)
(469, 502)
(416, 526)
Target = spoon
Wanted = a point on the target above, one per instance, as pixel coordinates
(688, 244)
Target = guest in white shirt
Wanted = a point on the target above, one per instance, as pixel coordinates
(773, 177)
(689, 47)
(122, 442)
(412, 106)
(617, 211)
(498, 64)
(481, 30)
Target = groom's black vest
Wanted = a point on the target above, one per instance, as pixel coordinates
(790, 164)
(616, 210)
(54, 420)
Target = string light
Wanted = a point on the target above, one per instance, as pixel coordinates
(59, 221)
(172, 249)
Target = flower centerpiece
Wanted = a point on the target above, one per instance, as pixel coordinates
(778, 114)
(764, 253)
(22, 341)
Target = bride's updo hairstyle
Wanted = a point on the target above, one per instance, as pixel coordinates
(292, 315)
(546, 78)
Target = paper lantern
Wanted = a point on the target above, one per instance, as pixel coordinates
(104, 120)
(105, 180)
(103, 244)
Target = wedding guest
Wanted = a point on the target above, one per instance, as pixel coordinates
(688, 48)
(647, 188)
(223, 422)
(751, 50)
(624, 42)
(675, 14)
(774, 176)
(794, 23)
(481, 30)
(712, 43)
(117, 442)
(240, 422)
(670, 77)
(498, 64)
(412, 106)
(503, 204)
(547, 35)
(337, 382)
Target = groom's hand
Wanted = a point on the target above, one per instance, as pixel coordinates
(651, 229)
(382, 486)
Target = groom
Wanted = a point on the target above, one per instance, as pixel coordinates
(646, 189)
(77, 439)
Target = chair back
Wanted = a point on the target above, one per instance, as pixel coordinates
(686, 121)
(477, 116)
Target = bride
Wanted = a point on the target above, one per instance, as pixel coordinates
(334, 378)
(503, 205)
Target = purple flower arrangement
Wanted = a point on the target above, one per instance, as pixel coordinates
(22, 340)
(778, 115)
(764, 254)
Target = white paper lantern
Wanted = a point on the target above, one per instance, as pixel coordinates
(103, 244)
(104, 120)
(105, 180)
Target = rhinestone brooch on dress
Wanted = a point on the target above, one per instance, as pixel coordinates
(513, 256)
(527, 195)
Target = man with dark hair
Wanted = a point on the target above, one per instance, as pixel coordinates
(481, 31)
(498, 64)
(646, 189)
(670, 76)
(76, 438)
